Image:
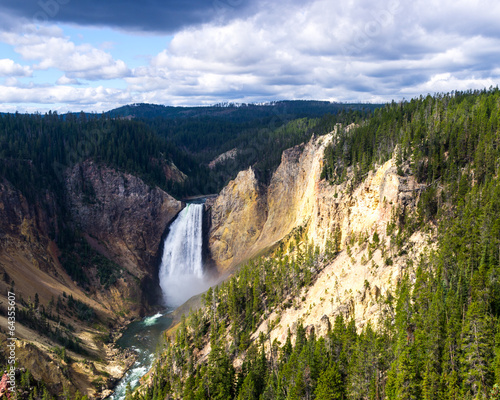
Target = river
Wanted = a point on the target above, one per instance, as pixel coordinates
(144, 337)
(181, 276)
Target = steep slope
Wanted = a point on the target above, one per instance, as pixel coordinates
(242, 204)
(297, 196)
(120, 212)
(248, 218)
(275, 210)
(367, 269)
(117, 223)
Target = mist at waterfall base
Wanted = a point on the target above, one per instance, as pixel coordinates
(181, 271)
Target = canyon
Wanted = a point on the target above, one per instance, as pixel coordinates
(125, 220)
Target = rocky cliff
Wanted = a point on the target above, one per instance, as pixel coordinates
(298, 197)
(120, 212)
(247, 213)
(122, 219)
(248, 217)
(368, 265)
(240, 206)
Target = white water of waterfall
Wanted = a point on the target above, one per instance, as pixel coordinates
(181, 270)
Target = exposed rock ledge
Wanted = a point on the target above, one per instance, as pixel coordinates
(247, 217)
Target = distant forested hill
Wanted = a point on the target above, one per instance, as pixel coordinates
(290, 109)
(35, 148)
(258, 133)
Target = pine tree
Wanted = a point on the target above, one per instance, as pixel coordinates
(330, 384)
(221, 373)
(477, 350)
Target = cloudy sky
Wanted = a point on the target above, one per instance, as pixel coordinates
(94, 55)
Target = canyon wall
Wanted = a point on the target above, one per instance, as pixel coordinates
(248, 217)
(121, 218)
(297, 197)
(120, 212)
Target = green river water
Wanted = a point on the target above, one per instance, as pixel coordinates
(144, 337)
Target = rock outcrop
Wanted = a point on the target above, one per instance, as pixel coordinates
(292, 193)
(248, 217)
(361, 210)
(28, 256)
(172, 173)
(241, 205)
(228, 155)
(121, 212)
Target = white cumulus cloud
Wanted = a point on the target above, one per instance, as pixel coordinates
(64, 80)
(62, 95)
(356, 50)
(51, 49)
(350, 51)
(9, 68)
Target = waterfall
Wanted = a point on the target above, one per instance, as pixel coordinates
(181, 270)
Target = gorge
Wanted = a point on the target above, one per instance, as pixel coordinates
(360, 248)
(370, 244)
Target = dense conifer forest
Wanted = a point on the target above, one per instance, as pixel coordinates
(258, 133)
(439, 335)
(36, 149)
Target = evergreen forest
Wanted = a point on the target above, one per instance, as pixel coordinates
(35, 149)
(439, 334)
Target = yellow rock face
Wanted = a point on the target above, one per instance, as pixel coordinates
(351, 284)
(247, 217)
(237, 217)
